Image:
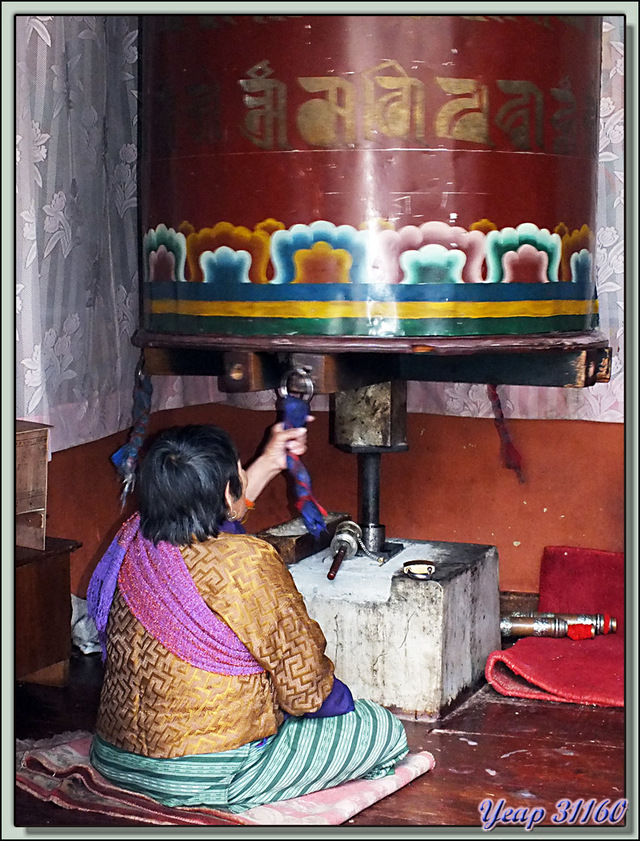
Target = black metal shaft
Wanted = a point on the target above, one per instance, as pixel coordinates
(369, 479)
(373, 534)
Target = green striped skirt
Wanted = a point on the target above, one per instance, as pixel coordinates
(305, 755)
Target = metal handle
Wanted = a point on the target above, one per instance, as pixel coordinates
(335, 566)
(306, 392)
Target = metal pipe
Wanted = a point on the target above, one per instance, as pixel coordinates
(530, 626)
(602, 622)
(373, 533)
(369, 464)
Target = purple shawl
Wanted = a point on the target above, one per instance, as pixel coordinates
(159, 591)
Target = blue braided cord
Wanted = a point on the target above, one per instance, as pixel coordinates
(126, 458)
(295, 414)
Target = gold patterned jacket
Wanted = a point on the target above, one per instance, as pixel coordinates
(155, 704)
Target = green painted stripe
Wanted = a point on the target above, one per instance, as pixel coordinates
(367, 292)
(197, 325)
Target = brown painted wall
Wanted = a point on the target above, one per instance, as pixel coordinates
(449, 485)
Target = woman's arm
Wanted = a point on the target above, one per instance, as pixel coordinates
(338, 702)
(273, 458)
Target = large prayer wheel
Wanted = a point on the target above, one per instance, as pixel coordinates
(369, 175)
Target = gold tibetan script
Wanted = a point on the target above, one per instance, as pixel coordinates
(390, 103)
(317, 119)
(466, 116)
(521, 117)
(265, 121)
(392, 113)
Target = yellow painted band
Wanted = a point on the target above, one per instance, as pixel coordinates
(374, 309)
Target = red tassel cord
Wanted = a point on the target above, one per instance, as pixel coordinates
(511, 458)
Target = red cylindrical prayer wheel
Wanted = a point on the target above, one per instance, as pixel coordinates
(425, 166)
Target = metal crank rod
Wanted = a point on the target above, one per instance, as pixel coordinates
(338, 559)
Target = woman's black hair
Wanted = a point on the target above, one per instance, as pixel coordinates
(182, 481)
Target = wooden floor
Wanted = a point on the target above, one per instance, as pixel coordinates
(527, 756)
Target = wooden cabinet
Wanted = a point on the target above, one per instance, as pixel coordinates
(32, 446)
(43, 611)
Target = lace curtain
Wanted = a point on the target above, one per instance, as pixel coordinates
(77, 242)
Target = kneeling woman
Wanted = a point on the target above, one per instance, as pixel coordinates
(217, 689)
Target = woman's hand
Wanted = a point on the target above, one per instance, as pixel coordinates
(283, 441)
(273, 458)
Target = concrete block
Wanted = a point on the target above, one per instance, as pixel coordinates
(410, 645)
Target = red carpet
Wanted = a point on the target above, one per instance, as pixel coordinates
(58, 771)
(591, 671)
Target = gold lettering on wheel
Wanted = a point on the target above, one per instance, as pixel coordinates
(266, 98)
(317, 119)
(515, 117)
(466, 116)
(392, 113)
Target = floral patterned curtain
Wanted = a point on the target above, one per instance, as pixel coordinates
(77, 242)
(75, 223)
(76, 228)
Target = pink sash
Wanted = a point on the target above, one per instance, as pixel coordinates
(159, 591)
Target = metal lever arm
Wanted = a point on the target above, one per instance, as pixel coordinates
(338, 559)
